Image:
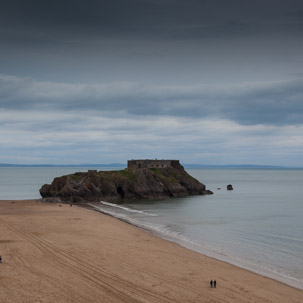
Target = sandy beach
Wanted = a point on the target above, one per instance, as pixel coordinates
(54, 253)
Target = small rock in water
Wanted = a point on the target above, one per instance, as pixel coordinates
(219, 188)
(229, 187)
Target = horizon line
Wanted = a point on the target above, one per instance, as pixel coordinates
(117, 164)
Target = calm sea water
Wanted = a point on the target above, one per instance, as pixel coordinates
(258, 225)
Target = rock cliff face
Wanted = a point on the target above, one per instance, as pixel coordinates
(128, 184)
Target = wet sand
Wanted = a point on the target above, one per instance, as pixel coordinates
(71, 254)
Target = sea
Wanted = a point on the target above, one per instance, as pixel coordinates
(257, 226)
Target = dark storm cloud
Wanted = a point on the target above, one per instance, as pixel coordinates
(171, 42)
(192, 19)
(273, 103)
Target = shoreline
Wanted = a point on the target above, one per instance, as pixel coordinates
(64, 254)
(289, 281)
(275, 276)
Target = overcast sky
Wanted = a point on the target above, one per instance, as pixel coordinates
(203, 81)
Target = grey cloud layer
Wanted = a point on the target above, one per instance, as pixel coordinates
(178, 18)
(272, 103)
(171, 41)
(56, 136)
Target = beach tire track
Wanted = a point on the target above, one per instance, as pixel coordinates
(61, 263)
(52, 252)
(96, 269)
(31, 270)
(113, 279)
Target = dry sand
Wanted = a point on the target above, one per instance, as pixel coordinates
(70, 254)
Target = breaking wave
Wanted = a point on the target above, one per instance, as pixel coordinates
(127, 209)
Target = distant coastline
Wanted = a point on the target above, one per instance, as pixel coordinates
(122, 165)
(63, 165)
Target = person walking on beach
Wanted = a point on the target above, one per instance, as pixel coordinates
(215, 284)
(211, 283)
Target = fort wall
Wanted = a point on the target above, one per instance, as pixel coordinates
(153, 163)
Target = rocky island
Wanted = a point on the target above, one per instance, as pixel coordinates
(142, 179)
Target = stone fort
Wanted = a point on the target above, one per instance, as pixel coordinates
(153, 163)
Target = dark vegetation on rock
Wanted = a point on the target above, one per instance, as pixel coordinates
(128, 184)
